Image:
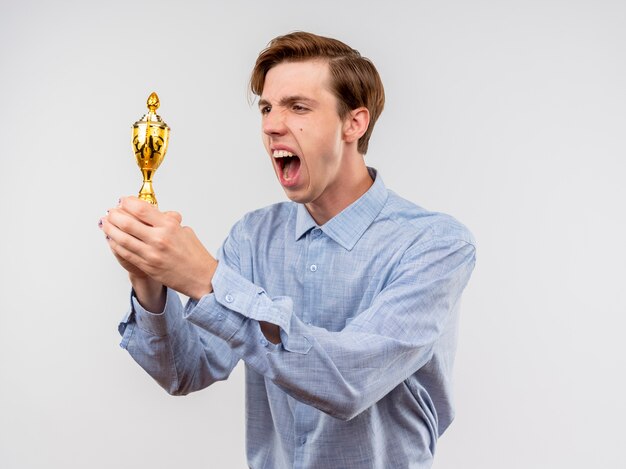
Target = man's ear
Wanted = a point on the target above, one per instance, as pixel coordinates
(355, 124)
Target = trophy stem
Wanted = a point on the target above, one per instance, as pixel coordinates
(147, 193)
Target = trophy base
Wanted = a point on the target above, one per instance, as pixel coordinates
(149, 198)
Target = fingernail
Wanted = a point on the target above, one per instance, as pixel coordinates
(108, 237)
(107, 212)
(119, 201)
(100, 223)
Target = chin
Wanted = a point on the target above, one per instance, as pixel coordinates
(300, 199)
(298, 196)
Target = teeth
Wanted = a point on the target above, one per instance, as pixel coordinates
(282, 154)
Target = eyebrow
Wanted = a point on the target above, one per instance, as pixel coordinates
(289, 100)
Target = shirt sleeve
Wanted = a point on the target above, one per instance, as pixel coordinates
(179, 356)
(342, 373)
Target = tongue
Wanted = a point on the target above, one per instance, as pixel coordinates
(291, 167)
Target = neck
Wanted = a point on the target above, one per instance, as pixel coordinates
(347, 191)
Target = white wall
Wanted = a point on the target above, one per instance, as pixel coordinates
(511, 115)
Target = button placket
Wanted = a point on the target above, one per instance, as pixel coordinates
(313, 262)
(305, 421)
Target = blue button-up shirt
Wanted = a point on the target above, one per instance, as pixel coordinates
(367, 306)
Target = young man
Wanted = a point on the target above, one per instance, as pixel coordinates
(342, 303)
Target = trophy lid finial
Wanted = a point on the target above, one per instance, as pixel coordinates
(151, 117)
(153, 102)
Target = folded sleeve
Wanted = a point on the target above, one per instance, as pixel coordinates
(343, 373)
(179, 356)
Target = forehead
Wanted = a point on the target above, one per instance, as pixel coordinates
(306, 78)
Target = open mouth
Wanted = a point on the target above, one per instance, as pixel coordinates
(288, 164)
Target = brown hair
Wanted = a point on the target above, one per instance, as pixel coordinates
(354, 79)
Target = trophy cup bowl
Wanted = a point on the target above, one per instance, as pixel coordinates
(150, 138)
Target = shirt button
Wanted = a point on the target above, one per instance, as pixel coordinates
(229, 298)
(220, 317)
(302, 440)
(316, 232)
(263, 342)
(313, 268)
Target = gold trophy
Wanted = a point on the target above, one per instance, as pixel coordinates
(150, 138)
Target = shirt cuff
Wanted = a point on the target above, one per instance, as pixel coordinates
(234, 292)
(208, 314)
(158, 324)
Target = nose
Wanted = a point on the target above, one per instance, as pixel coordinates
(274, 123)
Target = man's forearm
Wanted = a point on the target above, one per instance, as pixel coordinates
(150, 293)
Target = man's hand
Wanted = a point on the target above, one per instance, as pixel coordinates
(153, 247)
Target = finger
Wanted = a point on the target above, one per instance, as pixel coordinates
(128, 256)
(175, 215)
(142, 210)
(126, 222)
(128, 242)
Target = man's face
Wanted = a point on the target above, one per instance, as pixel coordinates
(302, 131)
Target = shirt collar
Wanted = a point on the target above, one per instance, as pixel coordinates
(347, 227)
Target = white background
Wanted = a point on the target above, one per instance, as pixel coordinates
(510, 115)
